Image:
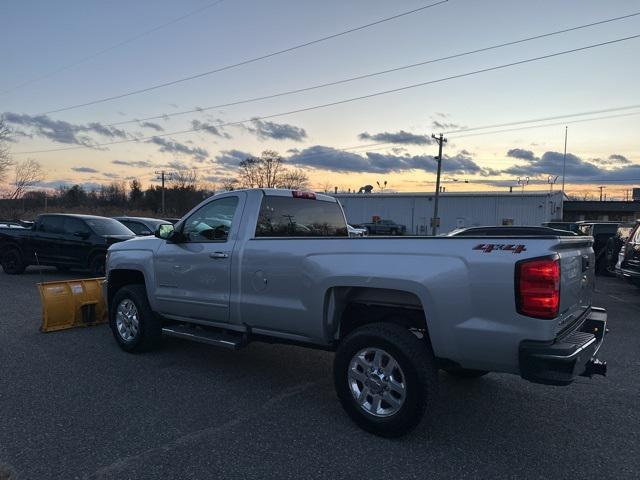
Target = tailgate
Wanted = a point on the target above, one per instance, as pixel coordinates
(577, 270)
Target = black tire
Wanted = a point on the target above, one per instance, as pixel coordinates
(97, 264)
(149, 332)
(465, 373)
(416, 361)
(394, 232)
(12, 262)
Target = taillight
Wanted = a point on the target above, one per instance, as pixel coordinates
(538, 287)
(307, 195)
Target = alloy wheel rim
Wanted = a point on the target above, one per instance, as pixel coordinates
(127, 322)
(377, 382)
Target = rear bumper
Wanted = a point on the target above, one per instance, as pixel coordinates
(570, 355)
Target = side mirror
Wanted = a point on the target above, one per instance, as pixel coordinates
(164, 231)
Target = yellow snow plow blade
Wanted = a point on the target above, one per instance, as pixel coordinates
(72, 303)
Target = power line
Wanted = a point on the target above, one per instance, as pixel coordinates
(543, 119)
(369, 75)
(348, 100)
(246, 62)
(528, 127)
(112, 47)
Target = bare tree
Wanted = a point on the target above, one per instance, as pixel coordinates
(295, 179)
(263, 172)
(185, 179)
(27, 174)
(229, 184)
(271, 167)
(5, 157)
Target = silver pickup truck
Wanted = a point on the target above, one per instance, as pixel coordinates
(278, 266)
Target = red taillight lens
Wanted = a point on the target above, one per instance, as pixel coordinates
(307, 195)
(538, 288)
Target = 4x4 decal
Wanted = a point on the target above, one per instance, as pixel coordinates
(490, 247)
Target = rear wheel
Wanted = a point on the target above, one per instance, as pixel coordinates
(133, 324)
(385, 378)
(12, 262)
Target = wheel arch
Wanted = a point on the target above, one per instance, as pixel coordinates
(121, 277)
(350, 307)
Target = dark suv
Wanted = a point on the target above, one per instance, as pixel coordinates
(601, 233)
(630, 257)
(615, 244)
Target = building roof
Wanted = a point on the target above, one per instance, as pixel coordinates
(515, 193)
(596, 206)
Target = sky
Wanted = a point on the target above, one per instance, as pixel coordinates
(63, 54)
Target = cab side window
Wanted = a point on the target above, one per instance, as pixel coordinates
(51, 225)
(75, 226)
(212, 222)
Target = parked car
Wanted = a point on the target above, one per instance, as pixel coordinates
(61, 240)
(238, 269)
(629, 263)
(571, 226)
(509, 231)
(615, 245)
(601, 233)
(357, 231)
(384, 227)
(142, 226)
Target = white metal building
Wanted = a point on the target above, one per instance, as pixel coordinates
(456, 209)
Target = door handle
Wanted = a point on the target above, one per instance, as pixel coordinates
(218, 255)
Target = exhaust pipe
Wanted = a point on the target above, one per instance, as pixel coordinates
(595, 367)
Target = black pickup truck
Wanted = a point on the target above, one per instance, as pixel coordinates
(61, 240)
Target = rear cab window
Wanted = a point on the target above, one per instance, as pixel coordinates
(283, 216)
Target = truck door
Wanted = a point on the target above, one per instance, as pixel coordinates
(75, 244)
(45, 241)
(193, 274)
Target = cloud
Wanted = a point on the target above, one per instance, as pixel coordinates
(276, 131)
(153, 126)
(401, 136)
(207, 127)
(55, 184)
(551, 163)
(84, 170)
(171, 146)
(62, 131)
(578, 170)
(614, 159)
(521, 154)
(328, 158)
(133, 163)
(445, 125)
(231, 158)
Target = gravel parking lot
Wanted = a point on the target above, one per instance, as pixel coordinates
(72, 405)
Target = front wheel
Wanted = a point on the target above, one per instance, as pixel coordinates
(133, 324)
(385, 377)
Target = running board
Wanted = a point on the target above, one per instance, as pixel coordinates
(223, 339)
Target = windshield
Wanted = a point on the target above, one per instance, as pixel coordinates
(107, 226)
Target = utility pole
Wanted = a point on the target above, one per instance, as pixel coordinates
(435, 221)
(601, 187)
(564, 158)
(162, 176)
